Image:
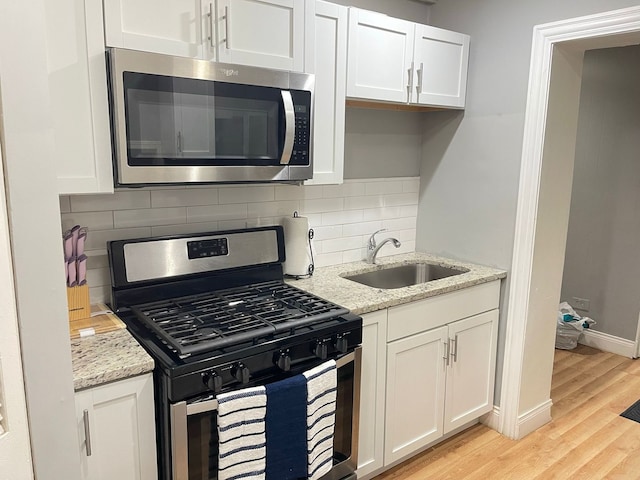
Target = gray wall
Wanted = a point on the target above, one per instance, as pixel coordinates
(470, 166)
(413, 11)
(602, 260)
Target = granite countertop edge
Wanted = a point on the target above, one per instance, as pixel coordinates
(330, 284)
(106, 358)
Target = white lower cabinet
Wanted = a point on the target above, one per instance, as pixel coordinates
(428, 368)
(116, 428)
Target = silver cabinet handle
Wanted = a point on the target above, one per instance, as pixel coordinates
(290, 127)
(454, 350)
(419, 86)
(409, 82)
(226, 28)
(210, 15)
(446, 353)
(87, 432)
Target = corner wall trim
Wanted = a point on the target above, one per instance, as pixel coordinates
(492, 419)
(608, 343)
(533, 419)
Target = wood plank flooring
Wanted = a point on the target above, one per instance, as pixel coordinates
(587, 438)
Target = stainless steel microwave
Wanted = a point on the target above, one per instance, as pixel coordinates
(180, 121)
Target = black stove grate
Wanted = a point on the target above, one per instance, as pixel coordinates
(202, 322)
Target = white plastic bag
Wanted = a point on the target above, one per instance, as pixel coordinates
(569, 327)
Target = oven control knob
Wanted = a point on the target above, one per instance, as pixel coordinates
(213, 381)
(284, 361)
(320, 350)
(342, 344)
(240, 372)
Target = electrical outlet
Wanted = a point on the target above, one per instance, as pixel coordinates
(581, 303)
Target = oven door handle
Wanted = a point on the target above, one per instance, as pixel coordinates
(289, 127)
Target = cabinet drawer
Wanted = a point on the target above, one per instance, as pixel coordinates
(415, 317)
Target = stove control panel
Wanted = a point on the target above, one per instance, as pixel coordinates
(213, 247)
(212, 380)
(241, 372)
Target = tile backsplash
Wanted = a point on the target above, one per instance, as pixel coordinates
(342, 216)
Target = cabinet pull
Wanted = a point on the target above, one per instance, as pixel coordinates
(446, 353)
(454, 350)
(87, 432)
(226, 28)
(210, 15)
(419, 86)
(409, 82)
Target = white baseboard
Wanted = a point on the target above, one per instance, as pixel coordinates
(492, 419)
(533, 419)
(608, 343)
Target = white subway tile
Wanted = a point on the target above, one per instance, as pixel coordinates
(298, 192)
(65, 204)
(321, 205)
(389, 186)
(184, 228)
(98, 239)
(91, 220)
(341, 218)
(326, 259)
(402, 235)
(344, 190)
(315, 219)
(263, 221)
(121, 200)
(97, 259)
(399, 223)
(381, 213)
(398, 199)
(212, 213)
(184, 198)
(272, 209)
(316, 246)
(341, 244)
(98, 276)
(361, 228)
(232, 224)
(411, 185)
(369, 201)
(246, 194)
(354, 255)
(327, 232)
(101, 294)
(408, 211)
(149, 217)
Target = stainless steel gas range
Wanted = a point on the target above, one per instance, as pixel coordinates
(214, 312)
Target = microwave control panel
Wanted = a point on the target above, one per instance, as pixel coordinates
(301, 142)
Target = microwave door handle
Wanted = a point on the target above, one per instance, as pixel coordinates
(289, 127)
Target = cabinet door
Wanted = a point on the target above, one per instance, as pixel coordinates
(118, 421)
(78, 94)
(329, 64)
(262, 33)
(372, 392)
(380, 57)
(415, 392)
(172, 27)
(471, 373)
(440, 61)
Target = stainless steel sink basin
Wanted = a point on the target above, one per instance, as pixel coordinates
(404, 275)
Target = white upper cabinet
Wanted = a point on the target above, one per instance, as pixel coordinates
(173, 27)
(261, 33)
(380, 56)
(327, 59)
(78, 94)
(393, 60)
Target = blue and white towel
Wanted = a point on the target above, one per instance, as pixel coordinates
(241, 433)
(322, 387)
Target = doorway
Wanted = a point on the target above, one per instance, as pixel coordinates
(543, 207)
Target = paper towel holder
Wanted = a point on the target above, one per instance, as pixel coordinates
(311, 267)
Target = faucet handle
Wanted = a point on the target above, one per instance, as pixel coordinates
(372, 240)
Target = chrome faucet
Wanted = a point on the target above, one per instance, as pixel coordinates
(373, 248)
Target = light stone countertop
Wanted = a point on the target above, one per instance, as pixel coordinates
(112, 356)
(107, 357)
(327, 282)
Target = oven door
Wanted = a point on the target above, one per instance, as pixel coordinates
(194, 435)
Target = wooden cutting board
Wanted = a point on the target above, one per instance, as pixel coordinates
(101, 323)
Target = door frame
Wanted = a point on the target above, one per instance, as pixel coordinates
(543, 209)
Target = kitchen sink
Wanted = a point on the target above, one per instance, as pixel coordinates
(405, 275)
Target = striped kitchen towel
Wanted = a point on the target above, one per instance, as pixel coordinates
(241, 432)
(322, 387)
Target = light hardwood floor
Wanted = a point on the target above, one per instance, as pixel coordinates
(587, 438)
